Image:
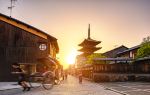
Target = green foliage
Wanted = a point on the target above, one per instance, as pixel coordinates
(92, 56)
(144, 50)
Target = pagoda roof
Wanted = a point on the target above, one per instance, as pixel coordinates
(24, 26)
(89, 42)
(89, 49)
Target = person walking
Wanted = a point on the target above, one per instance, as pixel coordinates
(80, 77)
(66, 74)
(21, 76)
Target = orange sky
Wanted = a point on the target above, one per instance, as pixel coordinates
(114, 22)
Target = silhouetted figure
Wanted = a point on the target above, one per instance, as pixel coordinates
(66, 74)
(63, 75)
(80, 77)
(21, 76)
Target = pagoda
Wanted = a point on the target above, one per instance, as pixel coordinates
(89, 45)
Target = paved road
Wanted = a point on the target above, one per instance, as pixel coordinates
(67, 87)
(129, 88)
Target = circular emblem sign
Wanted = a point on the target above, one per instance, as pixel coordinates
(43, 47)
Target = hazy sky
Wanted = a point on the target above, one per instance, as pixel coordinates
(114, 22)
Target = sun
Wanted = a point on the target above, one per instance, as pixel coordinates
(71, 57)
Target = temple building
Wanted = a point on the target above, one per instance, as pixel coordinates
(88, 48)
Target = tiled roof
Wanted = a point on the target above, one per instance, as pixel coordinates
(130, 49)
(27, 25)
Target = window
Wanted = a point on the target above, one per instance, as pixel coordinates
(131, 54)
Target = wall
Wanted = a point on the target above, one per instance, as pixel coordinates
(17, 45)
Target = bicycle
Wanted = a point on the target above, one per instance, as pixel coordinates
(46, 80)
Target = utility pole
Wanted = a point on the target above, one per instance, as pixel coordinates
(11, 6)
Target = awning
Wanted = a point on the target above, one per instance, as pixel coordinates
(113, 59)
(143, 59)
(26, 63)
(49, 60)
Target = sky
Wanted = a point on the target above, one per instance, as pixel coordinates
(114, 22)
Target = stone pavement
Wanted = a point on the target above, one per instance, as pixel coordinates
(8, 85)
(129, 88)
(69, 87)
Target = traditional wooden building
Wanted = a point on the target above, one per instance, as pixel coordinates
(32, 48)
(120, 65)
(129, 53)
(113, 53)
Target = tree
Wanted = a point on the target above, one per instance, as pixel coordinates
(147, 39)
(92, 56)
(144, 50)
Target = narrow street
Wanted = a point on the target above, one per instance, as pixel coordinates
(67, 87)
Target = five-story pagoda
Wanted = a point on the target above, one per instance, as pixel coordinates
(88, 48)
(89, 45)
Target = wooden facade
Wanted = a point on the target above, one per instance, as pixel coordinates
(120, 65)
(119, 70)
(24, 44)
(129, 53)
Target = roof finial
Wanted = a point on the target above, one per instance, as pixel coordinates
(89, 32)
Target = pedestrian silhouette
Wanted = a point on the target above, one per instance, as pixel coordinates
(80, 77)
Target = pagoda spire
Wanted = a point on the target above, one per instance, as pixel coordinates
(89, 32)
